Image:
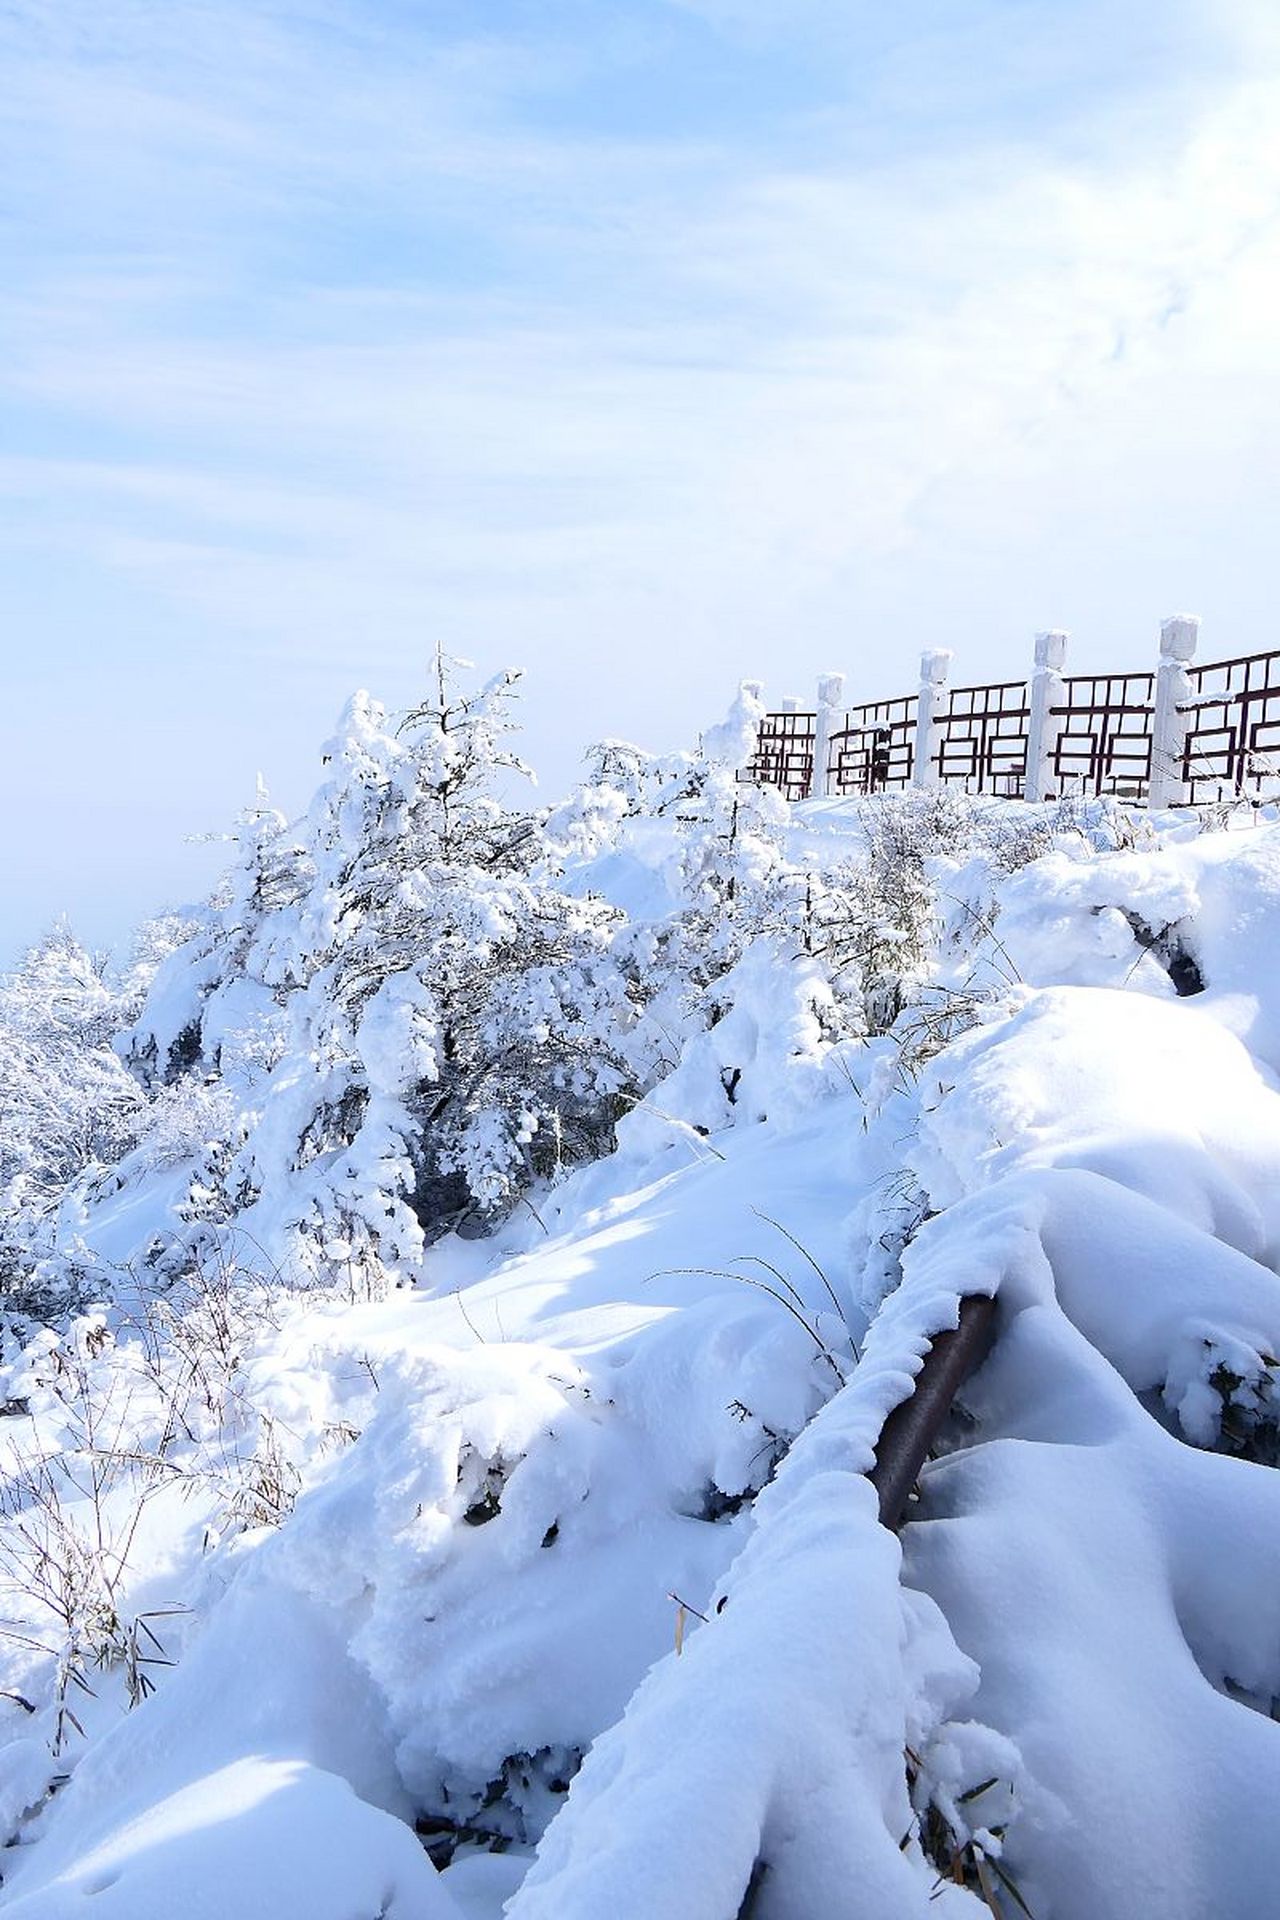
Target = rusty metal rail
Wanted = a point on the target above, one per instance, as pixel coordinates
(912, 1427)
(1103, 738)
(982, 739)
(1233, 728)
(873, 750)
(784, 754)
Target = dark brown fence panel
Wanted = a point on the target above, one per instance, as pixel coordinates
(784, 754)
(1226, 742)
(1103, 743)
(875, 748)
(1233, 729)
(982, 739)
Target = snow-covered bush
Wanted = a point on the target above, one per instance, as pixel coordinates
(719, 948)
(214, 1005)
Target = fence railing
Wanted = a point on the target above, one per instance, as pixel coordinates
(784, 753)
(875, 747)
(1233, 727)
(1178, 735)
(1102, 740)
(982, 739)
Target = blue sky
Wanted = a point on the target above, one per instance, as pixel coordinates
(646, 346)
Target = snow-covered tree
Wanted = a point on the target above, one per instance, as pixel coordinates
(416, 1020)
(726, 975)
(214, 1005)
(65, 1099)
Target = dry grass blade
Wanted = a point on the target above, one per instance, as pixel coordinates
(757, 1260)
(748, 1280)
(804, 1253)
(1007, 1882)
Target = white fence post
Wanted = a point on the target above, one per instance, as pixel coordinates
(934, 664)
(1042, 726)
(1178, 637)
(827, 723)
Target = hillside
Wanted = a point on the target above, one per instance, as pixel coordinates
(456, 1282)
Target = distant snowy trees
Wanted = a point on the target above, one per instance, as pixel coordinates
(65, 1098)
(68, 1107)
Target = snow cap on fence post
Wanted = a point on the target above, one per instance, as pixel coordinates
(827, 723)
(935, 663)
(1178, 635)
(733, 742)
(1042, 725)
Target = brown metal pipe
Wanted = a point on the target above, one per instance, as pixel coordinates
(912, 1427)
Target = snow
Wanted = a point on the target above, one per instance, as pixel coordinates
(268, 1739)
(565, 1555)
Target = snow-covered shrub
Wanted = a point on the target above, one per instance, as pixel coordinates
(70, 1510)
(110, 1424)
(214, 1005)
(779, 948)
(873, 919)
(184, 1120)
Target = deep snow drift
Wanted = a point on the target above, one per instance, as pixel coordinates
(562, 1554)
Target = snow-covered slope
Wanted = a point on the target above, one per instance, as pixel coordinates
(565, 1555)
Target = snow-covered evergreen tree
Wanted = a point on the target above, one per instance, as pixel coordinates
(437, 1020)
